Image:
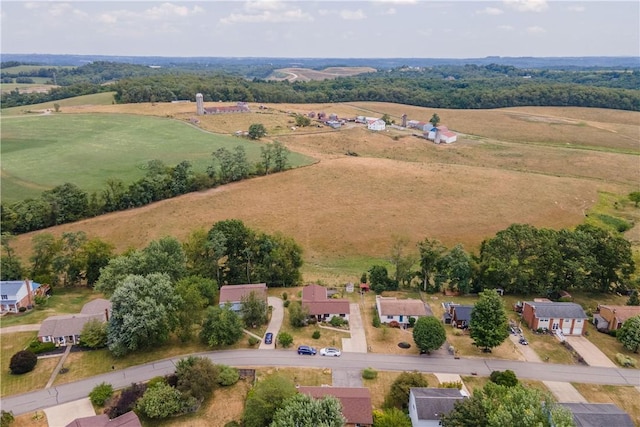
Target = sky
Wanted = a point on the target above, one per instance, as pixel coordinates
(322, 28)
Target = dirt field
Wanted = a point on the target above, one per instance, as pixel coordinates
(508, 166)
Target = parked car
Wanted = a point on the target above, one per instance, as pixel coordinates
(330, 351)
(305, 349)
(523, 341)
(268, 339)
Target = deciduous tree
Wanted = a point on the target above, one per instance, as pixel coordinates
(629, 334)
(257, 131)
(197, 376)
(254, 310)
(430, 253)
(94, 334)
(390, 417)
(302, 410)
(144, 313)
(429, 334)
(160, 401)
(265, 398)
(488, 324)
(222, 326)
(398, 395)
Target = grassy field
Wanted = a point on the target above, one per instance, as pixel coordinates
(36, 156)
(105, 98)
(627, 398)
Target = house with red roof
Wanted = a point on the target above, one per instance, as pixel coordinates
(356, 402)
(320, 306)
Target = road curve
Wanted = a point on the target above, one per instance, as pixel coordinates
(40, 399)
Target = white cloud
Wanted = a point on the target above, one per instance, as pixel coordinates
(490, 11)
(59, 9)
(536, 30)
(390, 11)
(108, 18)
(576, 8)
(260, 5)
(352, 15)
(527, 5)
(167, 10)
(296, 15)
(396, 1)
(505, 27)
(31, 5)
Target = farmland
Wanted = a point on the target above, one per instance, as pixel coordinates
(307, 74)
(539, 165)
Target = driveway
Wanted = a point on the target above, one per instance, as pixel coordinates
(527, 352)
(346, 377)
(20, 328)
(358, 341)
(277, 314)
(564, 392)
(61, 415)
(589, 352)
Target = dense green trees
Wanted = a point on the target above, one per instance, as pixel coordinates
(265, 398)
(94, 334)
(254, 310)
(257, 131)
(429, 334)
(398, 394)
(629, 334)
(301, 410)
(221, 326)
(488, 324)
(391, 417)
(496, 406)
(144, 313)
(197, 376)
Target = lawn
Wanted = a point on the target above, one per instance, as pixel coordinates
(380, 386)
(609, 345)
(36, 155)
(36, 379)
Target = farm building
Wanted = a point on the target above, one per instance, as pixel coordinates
(376, 124)
(441, 134)
(240, 107)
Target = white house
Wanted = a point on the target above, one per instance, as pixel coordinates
(427, 405)
(17, 293)
(400, 310)
(65, 329)
(376, 124)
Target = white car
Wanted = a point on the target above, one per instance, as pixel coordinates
(330, 351)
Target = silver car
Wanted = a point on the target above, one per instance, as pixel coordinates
(330, 351)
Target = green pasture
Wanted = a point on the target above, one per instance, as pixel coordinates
(41, 152)
(104, 98)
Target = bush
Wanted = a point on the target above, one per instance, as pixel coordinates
(286, 303)
(160, 401)
(101, 393)
(315, 335)
(312, 321)
(253, 340)
(228, 376)
(613, 333)
(232, 424)
(412, 321)
(626, 361)
(22, 362)
(506, 378)
(451, 384)
(22, 309)
(155, 381)
(376, 320)
(37, 347)
(394, 324)
(6, 418)
(369, 374)
(127, 400)
(285, 339)
(285, 296)
(336, 321)
(398, 395)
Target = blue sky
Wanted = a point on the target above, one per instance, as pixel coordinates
(345, 29)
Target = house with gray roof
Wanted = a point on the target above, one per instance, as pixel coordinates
(233, 294)
(65, 329)
(400, 310)
(566, 317)
(129, 419)
(427, 405)
(598, 415)
(15, 294)
(460, 315)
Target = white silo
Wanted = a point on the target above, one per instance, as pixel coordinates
(199, 104)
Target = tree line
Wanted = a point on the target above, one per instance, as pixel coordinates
(521, 259)
(68, 202)
(445, 86)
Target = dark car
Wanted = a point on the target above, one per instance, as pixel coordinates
(268, 339)
(305, 349)
(523, 341)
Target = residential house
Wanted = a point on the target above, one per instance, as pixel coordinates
(440, 134)
(427, 405)
(598, 415)
(233, 294)
(129, 419)
(460, 315)
(65, 329)
(15, 294)
(375, 124)
(315, 298)
(612, 317)
(565, 317)
(356, 402)
(400, 310)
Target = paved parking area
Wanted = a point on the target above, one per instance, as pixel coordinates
(589, 352)
(61, 415)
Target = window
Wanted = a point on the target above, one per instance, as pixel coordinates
(579, 321)
(389, 317)
(343, 315)
(5, 297)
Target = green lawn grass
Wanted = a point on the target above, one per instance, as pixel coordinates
(36, 154)
(103, 98)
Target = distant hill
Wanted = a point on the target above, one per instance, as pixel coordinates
(315, 63)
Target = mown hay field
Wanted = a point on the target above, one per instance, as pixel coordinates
(502, 170)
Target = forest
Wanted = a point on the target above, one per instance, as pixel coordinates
(467, 86)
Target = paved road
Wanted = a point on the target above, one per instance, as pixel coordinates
(64, 393)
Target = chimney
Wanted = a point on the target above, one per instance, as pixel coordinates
(29, 293)
(106, 314)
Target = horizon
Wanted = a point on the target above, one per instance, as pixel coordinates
(324, 29)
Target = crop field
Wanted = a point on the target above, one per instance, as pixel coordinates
(40, 152)
(543, 166)
(307, 74)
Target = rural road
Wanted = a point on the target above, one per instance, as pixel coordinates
(64, 393)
